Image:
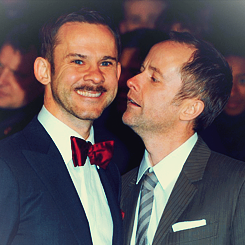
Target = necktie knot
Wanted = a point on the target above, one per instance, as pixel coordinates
(150, 181)
(99, 154)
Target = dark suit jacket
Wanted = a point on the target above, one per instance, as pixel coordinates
(38, 201)
(210, 187)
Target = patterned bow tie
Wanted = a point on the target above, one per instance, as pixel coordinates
(99, 154)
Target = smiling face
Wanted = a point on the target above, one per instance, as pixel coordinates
(236, 103)
(151, 93)
(86, 72)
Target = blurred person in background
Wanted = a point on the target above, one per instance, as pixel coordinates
(236, 103)
(15, 9)
(20, 93)
(227, 133)
(140, 14)
(192, 17)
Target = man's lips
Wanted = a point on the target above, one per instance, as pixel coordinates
(131, 101)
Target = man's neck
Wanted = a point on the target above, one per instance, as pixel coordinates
(159, 146)
(82, 127)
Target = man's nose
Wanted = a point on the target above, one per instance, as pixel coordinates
(133, 83)
(234, 90)
(94, 74)
(4, 74)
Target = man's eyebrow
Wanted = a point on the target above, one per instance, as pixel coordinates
(156, 70)
(241, 74)
(76, 55)
(109, 58)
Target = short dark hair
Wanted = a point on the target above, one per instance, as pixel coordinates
(50, 30)
(207, 76)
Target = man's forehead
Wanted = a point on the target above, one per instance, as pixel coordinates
(234, 59)
(83, 30)
(85, 40)
(168, 55)
(170, 49)
(174, 44)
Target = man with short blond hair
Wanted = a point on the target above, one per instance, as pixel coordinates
(182, 192)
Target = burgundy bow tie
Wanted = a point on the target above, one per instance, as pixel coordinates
(99, 154)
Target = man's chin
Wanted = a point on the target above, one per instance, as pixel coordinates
(127, 119)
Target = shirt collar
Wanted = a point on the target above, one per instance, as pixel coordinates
(60, 133)
(169, 168)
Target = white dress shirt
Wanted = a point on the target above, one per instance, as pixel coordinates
(167, 172)
(85, 179)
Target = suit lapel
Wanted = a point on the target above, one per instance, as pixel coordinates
(184, 190)
(46, 160)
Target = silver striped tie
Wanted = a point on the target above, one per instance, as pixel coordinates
(146, 200)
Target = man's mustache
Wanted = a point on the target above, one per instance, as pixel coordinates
(100, 89)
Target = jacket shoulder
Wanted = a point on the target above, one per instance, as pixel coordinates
(225, 167)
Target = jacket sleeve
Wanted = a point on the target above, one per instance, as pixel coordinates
(9, 204)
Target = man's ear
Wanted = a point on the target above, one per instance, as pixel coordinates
(191, 110)
(42, 70)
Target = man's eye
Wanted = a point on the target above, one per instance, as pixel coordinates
(142, 68)
(154, 79)
(135, 20)
(106, 63)
(78, 62)
(242, 81)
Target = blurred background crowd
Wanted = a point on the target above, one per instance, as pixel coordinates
(141, 24)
